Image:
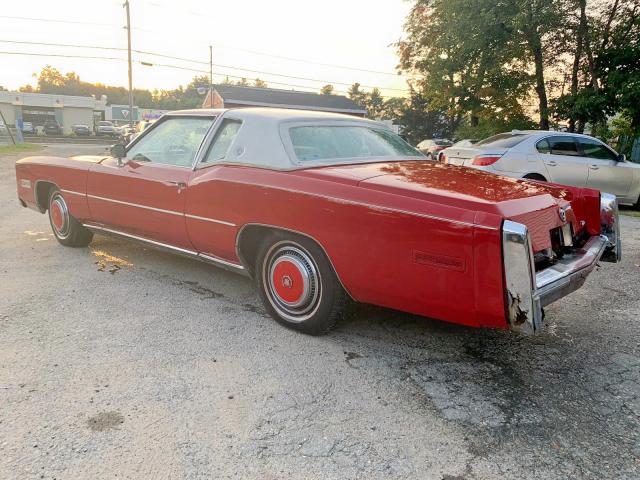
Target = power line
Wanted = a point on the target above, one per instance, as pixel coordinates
(143, 52)
(254, 52)
(157, 65)
(271, 55)
(48, 20)
(73, 22)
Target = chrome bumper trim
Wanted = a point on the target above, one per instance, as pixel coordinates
(568, 274)
(527, 292)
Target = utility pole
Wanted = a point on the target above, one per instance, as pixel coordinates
(210, 76)
(126, 6)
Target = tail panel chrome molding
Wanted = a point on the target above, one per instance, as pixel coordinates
(218, 262)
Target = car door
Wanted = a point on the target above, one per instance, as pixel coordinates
(606, 172)
(213, 201)
(144, 193)
(562, 160)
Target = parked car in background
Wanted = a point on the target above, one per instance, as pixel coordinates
(558, 157)
(126, 133)
(464, 143)
(106, 128)
(141, 127)
(52, 127)
(81, 129)
(288, 197)
(28, 128)
(431, 147)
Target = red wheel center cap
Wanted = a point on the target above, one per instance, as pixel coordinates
(57, 216)
(287, 281)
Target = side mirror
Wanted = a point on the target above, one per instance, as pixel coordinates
(622, 157)
(118, 151)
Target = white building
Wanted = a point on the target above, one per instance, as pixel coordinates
(38, 107)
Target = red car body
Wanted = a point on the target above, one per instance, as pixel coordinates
(416, 236)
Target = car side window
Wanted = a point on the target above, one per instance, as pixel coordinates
(564, 145)
(594, 149)
(174, 141)
(543, 146)
(222, 140)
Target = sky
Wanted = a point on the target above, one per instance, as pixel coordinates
(254, 35)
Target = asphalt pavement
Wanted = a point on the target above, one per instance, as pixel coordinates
(121, 361)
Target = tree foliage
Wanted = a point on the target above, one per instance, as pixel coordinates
(327, 90)
(477, 59)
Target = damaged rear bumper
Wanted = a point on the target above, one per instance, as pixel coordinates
(528, 291)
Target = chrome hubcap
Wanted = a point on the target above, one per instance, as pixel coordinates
(59, 214)
(292, 281)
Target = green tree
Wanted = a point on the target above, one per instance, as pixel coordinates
(356, 94)
(327, 90)
(374, 103)
(418, 120)
(465, 56)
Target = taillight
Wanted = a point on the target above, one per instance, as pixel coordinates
(484, 160)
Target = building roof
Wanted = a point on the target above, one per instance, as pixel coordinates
(51, 100)
(272, 97)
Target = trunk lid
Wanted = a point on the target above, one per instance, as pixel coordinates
(531, 203)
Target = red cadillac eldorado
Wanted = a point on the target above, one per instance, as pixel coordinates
(321, 208)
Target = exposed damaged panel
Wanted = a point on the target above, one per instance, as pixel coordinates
(524, 313)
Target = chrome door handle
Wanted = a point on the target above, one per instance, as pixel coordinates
(594, 167)
(181, 185)
(552, 163)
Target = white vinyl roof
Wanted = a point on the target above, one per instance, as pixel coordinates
(263, 138)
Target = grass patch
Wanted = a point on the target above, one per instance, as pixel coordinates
(629, 212)
(20, 147)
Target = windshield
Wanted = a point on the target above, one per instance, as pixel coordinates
(442, 143)
(105, 124)
(336, 142)
(503, 140)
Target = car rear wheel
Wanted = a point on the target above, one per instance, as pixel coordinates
(535, 176)
(298, 285)
(67, 230)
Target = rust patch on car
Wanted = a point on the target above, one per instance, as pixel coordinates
(517, 315)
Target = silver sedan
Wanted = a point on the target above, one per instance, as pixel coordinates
(558, 157)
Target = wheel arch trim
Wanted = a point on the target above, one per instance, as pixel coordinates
(36, 184)
(267, 226)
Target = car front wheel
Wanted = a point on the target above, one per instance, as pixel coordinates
(298, 285)
(67, 230)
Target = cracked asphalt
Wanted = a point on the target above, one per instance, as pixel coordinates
(120, 361)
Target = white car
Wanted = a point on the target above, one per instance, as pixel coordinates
(558, 157)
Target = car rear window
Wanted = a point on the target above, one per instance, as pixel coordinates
(503, 140)
(335, 142)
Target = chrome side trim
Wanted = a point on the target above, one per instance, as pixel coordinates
(284, 229)
(71, 192)
(213, 220)
(121, 202)
(170, 212)
(224, 264)
(376, 207)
